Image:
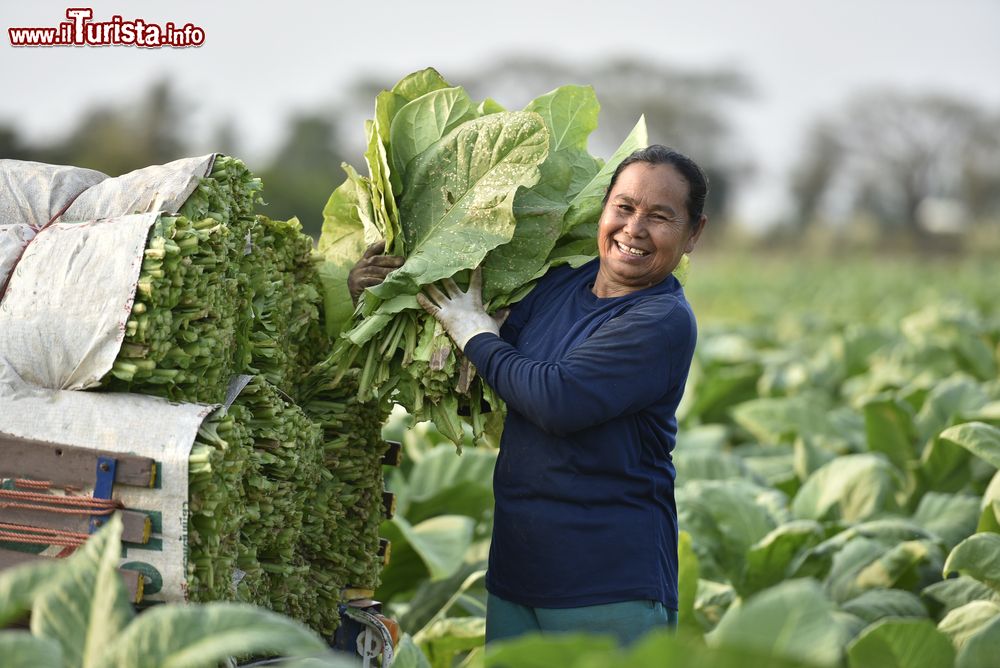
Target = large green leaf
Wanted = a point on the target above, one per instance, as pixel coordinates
(793, 620)
(962, 623)
(585, 208)
(709, 465)
(19, 648)
(408, 655)
(852, 488)
(687, 581)
(724, 519)
(889, 429)
(897, 567)
(538, 651)
(385, 213)
(424, 121)
(949, 399)
(440, 542)
(663, 648)
(989, 507)
(570, 115)
(901, 643)
(442, 483)
(407, 89)
(980, 650)
(768, 560)
(977, 556)
(876, 604)
(458, 197)
(979, 438)
(348, 228)
(19, 586)
(951, 516)
(782, 419)
(86, 607)
(444, 639)
(174, 636)
(944, 596)
(431, 596)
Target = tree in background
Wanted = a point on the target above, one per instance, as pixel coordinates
(887, 153)
(118, 138)
(304, 171)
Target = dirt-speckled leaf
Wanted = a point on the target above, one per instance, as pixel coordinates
(87, 607)
(570, 115)
(458, 197)
(422, 122)
(176, 636)
(20, 648)
(977, 556)
(793, 620)
(901, 643)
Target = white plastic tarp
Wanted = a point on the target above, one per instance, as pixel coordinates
(128, 424)
(63, 316)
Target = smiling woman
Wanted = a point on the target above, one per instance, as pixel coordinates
(652, 216)
(592, 365)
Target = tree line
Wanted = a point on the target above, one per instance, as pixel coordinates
(914, 164)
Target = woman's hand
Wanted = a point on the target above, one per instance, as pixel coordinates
(371, 269)
(461, 313)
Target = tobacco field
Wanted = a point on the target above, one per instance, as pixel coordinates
(837, 484)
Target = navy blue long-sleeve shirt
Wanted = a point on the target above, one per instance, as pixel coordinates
(584, 480)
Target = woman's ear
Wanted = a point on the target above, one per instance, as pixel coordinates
(696, 234)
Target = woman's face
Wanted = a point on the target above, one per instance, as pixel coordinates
(644, 229)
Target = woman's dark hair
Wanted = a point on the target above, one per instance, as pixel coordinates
(657, 154)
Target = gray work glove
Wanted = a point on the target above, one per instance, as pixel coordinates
(461, 313)
(371, 269)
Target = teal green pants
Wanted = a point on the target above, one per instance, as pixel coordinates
(627, 621)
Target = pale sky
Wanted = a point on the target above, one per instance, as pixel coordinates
(262, 61)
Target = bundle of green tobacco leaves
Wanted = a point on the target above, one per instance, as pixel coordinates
(340, 530)
(453, 185)
(217, 466)
(287, 457)
(186, 334)
(285, 337)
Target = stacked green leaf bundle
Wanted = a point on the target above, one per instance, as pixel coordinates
(187, 331)
(453, 185)
(340, 533)
(286, 457)
(218, 464)
(285, 335)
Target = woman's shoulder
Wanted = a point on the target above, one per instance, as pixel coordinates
(668, 312)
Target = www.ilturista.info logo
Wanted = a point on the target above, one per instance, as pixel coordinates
(80, 30)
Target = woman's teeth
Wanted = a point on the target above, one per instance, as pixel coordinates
(631, 251)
